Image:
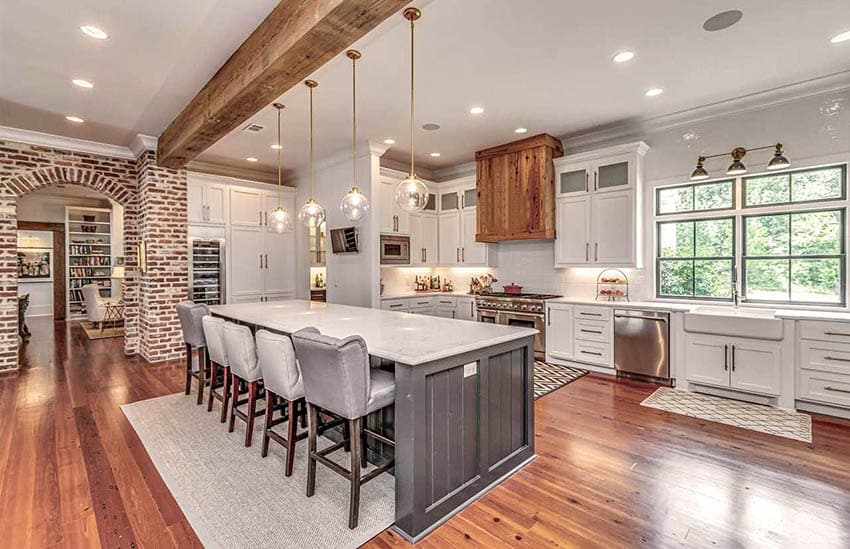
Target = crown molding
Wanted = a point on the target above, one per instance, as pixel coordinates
(142, 143)
(640, 127)
(65, 143)
(455, 172)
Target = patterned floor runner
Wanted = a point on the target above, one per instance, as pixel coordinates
(548, 377)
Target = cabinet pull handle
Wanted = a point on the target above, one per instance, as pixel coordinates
(590, 314)
(733, 358)
(261, 261)
(549, 317)
(267, 261)
(726, 357)
(596, 251)
(591, 331)
(587, 251)
(586, 182)
(843, 334)
(590, 353)
(457, 255)
(471, 309)
(261, 218)
(463, 255)
(836, 390)
(836, 359)
(595, 180)
(266, 215)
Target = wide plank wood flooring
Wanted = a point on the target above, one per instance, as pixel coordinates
(610, 473)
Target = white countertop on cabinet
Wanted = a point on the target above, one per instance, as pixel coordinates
(648, 305)
(401, 337)
(797, 314)
(412, 293)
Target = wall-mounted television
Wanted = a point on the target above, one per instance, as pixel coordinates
(345, 240)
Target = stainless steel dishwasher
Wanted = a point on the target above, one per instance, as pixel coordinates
(642, 345)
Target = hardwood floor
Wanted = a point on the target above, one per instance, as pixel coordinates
(610, 473)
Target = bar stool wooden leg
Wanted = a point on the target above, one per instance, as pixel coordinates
(252, 408)
(202, 374)
(363, 449)
(235, 398)
(312, 422)
(213, 379)
(188, 368)
(346, 436)
(270, 403)
(291, 434)
(355, 426)
(225, 391)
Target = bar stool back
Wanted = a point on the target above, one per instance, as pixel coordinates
(281, 378)
(338, 379)
(190, 315)
(242, 355)
(218, 359)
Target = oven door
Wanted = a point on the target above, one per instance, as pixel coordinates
(489, 317)
(530, 321)
(395, 250)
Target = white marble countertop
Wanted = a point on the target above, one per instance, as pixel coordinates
(648, 305)
(401, 337)
(412, 293)
(799, 314)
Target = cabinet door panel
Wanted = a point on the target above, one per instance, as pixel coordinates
(246, 254)
(429, 238)
(214, 198)
(756, 366)
(472, 252)
(612, 219)
(280, 263)
(417, 252)
(616, 173)
(708, 360)
(574, 181)
(195, 202)
(450, 238)
(465, 308)
(559, 332)
(572, 246)
(246, 207)
(386, 205)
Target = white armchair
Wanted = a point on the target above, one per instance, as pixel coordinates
(95, 304)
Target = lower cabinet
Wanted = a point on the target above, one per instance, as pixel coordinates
(465, 308)
(559, 331)
(579, 333)
(749, 365)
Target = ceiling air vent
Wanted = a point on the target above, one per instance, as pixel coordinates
(253, 128)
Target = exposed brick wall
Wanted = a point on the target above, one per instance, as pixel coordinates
(25, 168)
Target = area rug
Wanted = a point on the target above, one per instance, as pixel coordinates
(756, 417)
(548, 377)
(94, 332)
(233, 497)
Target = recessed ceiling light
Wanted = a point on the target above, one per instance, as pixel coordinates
(252, 159)
(476, 110)
(838, 38)
(722, 20)
(82, 83)
(435, 155)
(430, 127)
(653, 92)
(624, 56)
(520, 130)
(75, 119)
(276, 146)
(389, 141)
(94, 32)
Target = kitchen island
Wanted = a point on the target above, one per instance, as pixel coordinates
(464, 414)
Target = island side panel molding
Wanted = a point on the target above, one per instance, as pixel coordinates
(457, 435)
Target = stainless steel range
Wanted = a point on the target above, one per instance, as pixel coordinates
(527, 310)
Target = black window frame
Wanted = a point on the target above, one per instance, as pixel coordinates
(790, 173)
(658, 191)
(842, 256)
(694, 259)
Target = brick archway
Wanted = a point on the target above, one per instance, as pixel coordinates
(120, 187)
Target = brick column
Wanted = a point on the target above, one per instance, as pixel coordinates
(162, 226)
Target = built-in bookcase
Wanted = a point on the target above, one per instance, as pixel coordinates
(88, 237)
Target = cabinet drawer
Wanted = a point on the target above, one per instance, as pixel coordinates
(428, 310)
(592, 352)
(824, 387)
(593, 330)
(395, 304)
(442, 301)
(825, 356)
(822, 330)
(421, 302)
(593, 313)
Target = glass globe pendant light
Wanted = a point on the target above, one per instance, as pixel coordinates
(411, 194)
(281, 220)
(354, 205)
(311, 213)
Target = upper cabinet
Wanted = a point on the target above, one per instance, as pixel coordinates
(458, 242)
(207, 201)
(598, 207)
(516, 190)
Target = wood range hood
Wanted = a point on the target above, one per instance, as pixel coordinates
(516, 190)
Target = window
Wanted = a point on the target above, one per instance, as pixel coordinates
(783, 238)
(795, 257)
(700, 197)
(696, 258)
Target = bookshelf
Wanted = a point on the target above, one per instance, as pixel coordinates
(88, 241)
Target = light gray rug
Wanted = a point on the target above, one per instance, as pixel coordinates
(756, 417)
(234, 498)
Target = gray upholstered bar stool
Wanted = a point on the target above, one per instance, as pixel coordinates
(219, 364)
(281, 378)
(338, 379)
(242, 355)
(190, 315)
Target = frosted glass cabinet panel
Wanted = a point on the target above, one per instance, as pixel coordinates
(613, 175)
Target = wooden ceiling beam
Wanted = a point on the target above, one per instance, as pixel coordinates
(296, 38)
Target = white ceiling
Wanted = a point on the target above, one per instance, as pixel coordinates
(158, 55)
(545, 65)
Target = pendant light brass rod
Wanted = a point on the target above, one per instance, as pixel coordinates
(311, 84)
(279, 107)
(354, 55)
(412, 14)
(747, 150)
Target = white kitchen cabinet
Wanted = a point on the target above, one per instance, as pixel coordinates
(279, 267)
(393, 218)
(472, 253)
(246, 207)
(559, 331)
(246, 256)
(457, 226)
(748, 365)
(598, 216)
(449, 234)
(708, 360)
(424, 239)
(465, 308)
(206, 201)
(399, 305)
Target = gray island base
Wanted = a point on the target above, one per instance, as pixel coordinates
(464, 408)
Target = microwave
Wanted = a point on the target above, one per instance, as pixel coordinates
(395, 249)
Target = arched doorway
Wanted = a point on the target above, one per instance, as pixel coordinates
(116, 184)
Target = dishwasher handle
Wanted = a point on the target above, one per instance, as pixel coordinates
(655, 318)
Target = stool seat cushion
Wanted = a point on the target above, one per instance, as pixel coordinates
(281, 374)
(190, 315)
(215, 341)
(382, 390)
(241, 352)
